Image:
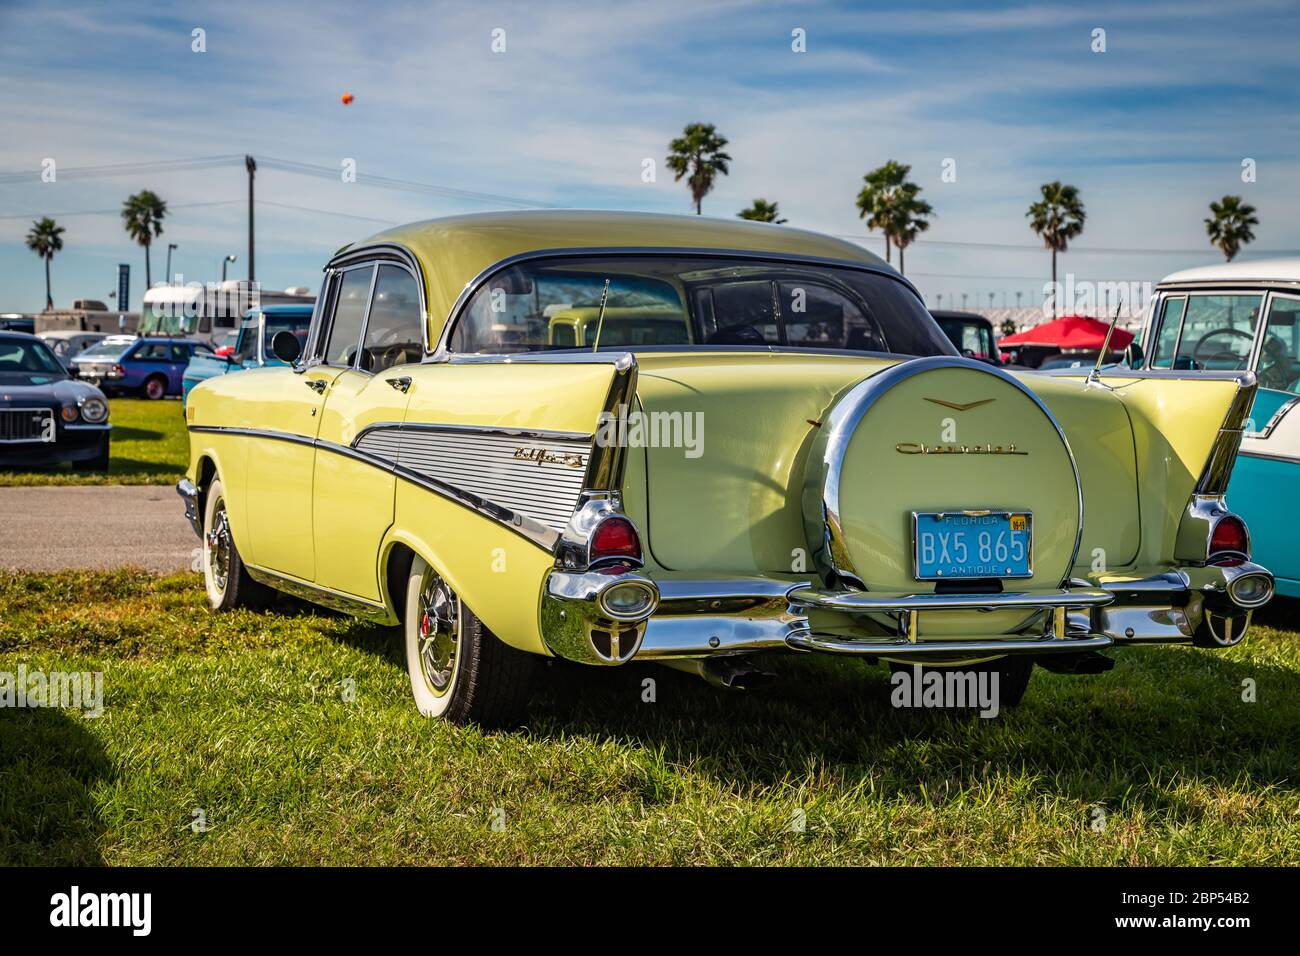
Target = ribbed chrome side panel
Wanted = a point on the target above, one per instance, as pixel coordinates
(539, 477)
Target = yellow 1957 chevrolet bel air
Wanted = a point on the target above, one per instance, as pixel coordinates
(613, 437)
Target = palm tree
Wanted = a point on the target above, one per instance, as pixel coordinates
(888, 202)
(1229, 226)
(45, 238)
(697, 153)
(1057, 218)
(760, 210)
(142, 216)
(910, 218)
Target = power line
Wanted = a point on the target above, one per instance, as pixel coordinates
(122, 169)
(114, 212)
(327, 212)
(283, 165)
(406, 185)
(1085, 250)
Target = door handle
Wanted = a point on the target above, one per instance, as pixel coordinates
(401, 383)
(317, 384)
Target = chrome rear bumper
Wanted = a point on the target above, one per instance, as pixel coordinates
(705, 616)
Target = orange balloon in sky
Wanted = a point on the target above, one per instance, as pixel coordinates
(346, 98)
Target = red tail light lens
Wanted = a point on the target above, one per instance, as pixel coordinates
(615, 537)
(1229, 538)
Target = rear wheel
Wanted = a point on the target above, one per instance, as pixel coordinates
(1013, 675)
(154, 387)
(460, 670)
(225, 578)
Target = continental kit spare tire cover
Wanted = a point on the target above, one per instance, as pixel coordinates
(940, 434)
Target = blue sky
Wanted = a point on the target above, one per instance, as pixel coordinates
(1150, 130)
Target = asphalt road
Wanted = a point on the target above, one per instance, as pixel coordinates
(94, 526)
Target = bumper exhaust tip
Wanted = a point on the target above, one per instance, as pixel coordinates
(1251, 590)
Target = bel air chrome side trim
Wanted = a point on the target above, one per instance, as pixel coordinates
(538, 532)
(534, 473)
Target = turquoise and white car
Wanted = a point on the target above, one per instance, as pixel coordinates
(252, 347)
(1243, 316)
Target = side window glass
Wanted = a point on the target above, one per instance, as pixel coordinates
(1171, 318)
(743, 314)
(818, 317)
(1218, 332)
(349, 313)
(1279, 357)
(393, 331)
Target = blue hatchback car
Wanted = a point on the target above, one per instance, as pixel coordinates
(150, 367)
(253, 347)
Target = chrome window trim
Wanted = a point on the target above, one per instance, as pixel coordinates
(381, 252)
(1208, 288)
(849, 411)
(359, 257)
(442, 353)
(365, 317)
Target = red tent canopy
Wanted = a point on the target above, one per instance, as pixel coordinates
(1070, 332)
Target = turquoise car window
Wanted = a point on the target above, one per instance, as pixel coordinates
(394, 330)
(1218, 332)
(349, 313)
(1166, 338)
(1279, 357)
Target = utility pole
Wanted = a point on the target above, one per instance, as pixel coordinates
(251, 165)
(168, 273)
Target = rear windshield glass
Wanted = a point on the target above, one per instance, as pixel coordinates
(635, 302)
(104, 351)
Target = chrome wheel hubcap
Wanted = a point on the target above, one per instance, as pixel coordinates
(219, 546)
(439, 636)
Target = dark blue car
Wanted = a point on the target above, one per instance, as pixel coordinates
(150, 367)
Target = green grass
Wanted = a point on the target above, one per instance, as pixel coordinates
(243, 716)
(150, 447)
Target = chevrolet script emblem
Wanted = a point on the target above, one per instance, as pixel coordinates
(921, 448)
(958, 406)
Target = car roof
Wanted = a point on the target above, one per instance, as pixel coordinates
(68, 334)
(1247, 270)
(9, 334)
(455, 250)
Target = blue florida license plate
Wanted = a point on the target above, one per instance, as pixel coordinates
(972, 544)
